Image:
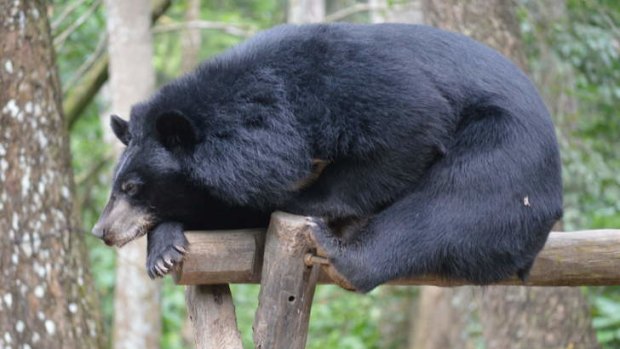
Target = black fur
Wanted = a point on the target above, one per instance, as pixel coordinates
(442, 142)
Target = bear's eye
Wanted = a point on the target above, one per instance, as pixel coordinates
(130, 188)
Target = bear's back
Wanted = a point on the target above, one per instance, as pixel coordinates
(349, 82)
(382, 57)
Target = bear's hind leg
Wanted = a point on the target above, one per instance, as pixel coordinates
(480, 214)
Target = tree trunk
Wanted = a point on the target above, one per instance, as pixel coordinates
(536, 317)
(515, 317)
(137, 320)
(444, 318)
(493, 22)
(46, 295)
(191, 39)
(306, 11)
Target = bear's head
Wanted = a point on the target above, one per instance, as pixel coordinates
(154, 182)
(211, 156)
(149, 185)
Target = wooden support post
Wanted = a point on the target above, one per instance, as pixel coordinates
(212, 312)
(287, 286)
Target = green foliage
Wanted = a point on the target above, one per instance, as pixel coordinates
(605, 303)
(174, 315)
(81, 42)
(342, 319)
(581, 44)
(592, 45)
(248, 15)
(339, 319)
(607, 320)
(585, 44)
(246, 302)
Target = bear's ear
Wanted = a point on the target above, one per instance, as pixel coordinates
(175, 130)
(120, 128)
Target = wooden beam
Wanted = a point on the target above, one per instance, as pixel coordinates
(589, 257)
(212, 313)
(222, 257)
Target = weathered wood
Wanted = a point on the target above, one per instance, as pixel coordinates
(222, 257)
(589, 257)
(212, 313)
(581, 258)
(287, 286)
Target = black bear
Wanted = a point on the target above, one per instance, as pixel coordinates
(438, 156)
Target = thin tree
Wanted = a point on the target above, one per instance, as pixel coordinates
(137, 320)
(191, 39)
(46, 295)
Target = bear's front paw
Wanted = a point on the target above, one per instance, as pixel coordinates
(328, 245)
(163, 258)
(323, 237)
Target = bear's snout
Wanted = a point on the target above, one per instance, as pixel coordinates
(102, 234)
(122, 222)
(98, 231)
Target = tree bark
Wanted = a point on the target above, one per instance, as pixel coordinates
(535, 317)
(46, 296)
(137, 322)
(515, 317)
(493, 22)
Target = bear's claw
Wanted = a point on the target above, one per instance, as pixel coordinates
(163, 261)
(329, 245)
(167, 246)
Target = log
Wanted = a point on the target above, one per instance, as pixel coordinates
(580, 258)
(212, 313)
(287, 286)
(222, 257)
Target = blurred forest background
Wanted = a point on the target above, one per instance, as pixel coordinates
(571, 49)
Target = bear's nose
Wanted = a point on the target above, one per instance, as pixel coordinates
(98, 230)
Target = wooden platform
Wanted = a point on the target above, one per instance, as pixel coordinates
(284, 261)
